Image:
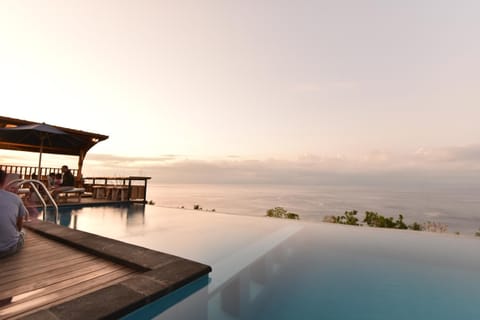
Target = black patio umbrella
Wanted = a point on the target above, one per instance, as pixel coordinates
(42, 135)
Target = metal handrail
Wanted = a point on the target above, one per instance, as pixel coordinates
(32, 182)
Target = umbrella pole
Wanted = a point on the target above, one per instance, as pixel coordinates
(39, 173)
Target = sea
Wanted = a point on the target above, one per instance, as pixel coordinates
(457, 207)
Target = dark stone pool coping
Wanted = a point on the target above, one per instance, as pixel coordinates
(159, 274)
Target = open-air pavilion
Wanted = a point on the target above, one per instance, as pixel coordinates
(30, 136)
(13, 139)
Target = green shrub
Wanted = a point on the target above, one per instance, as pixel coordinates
(294, 216)
(279, 212)
(349, 217)
(399, 224)
(374, 219)
(415, 226)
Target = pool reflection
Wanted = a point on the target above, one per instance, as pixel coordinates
(65, 217)
(91, 218)
(136, 214)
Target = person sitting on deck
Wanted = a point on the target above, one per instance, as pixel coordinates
(68, 182)
(58, 180)
(51, 180)
(12, 213)
(67, 178)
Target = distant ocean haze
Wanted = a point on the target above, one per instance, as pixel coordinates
(456, 206)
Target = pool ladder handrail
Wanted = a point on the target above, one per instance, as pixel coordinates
(32, 182)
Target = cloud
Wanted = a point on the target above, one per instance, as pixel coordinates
(129, 159)
(463, 154)
(459, 164)
(433, 166)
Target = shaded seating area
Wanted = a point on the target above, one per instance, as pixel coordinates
(24, 135)
(31, 198)
(94, 190)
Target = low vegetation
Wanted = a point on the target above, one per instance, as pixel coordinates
(415, 226)
(279, 212)
(198, 207)
(432, 226)
(349, 217)
(376, 220)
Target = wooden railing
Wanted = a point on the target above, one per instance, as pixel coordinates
(137, 186)
(26, 172)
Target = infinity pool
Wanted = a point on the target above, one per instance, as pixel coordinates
(266, 268)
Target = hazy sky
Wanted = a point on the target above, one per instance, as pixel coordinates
(367, 84)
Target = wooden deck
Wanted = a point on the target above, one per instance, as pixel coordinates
(65, 274)
(46, 273)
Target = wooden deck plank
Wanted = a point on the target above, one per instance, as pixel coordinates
(26, 262)
(50, 251)
(45, 273)
(32, 274)
(33, 290)
(32, 286)
(72, 271)
(32, 254)
(52, 296)
(34, 245)
(27, 250)
(33, 241)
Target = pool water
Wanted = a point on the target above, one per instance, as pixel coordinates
(266, 268)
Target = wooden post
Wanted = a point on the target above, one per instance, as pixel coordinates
(129, 188)
(145, 191)
(81, 157)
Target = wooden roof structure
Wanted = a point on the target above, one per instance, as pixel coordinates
(88, 140)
